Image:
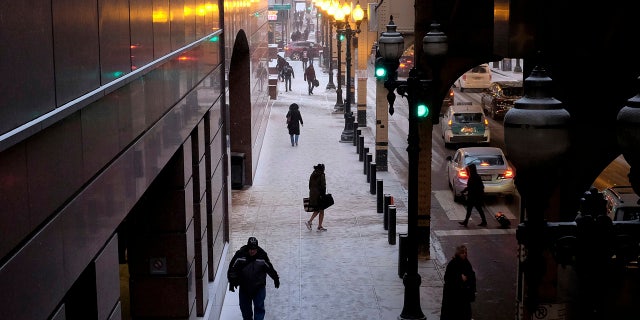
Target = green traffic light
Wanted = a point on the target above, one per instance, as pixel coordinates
(422, 111)
(341, 37)
(381, 72)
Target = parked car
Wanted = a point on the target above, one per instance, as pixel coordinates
(622, 203)
(493, 167)
(479, 77)
(294, 50)
(406, 62)
(500, 97)
(464, 122)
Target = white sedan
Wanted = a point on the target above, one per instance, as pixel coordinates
(497, 175)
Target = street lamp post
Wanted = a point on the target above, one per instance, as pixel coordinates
(357, 14)
(327, 10)
(419, 94)
(536, 138)
(339, 106)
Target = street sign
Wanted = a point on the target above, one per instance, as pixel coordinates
(272, 15)
(280, 7)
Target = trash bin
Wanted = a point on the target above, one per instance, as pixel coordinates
(237, 170)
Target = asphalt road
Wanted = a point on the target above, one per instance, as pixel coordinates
(493, 250)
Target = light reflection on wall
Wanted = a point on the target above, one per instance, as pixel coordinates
(160, 15)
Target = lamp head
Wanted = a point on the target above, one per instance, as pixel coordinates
(391, 42)
(435, 43)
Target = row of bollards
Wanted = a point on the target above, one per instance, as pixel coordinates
(385, 204)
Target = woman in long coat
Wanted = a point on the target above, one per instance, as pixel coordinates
(294, 121)
(459, 287)
(317, 189)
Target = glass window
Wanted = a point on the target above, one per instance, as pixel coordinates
(467, 117)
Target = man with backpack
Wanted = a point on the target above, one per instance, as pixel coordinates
(288, 74)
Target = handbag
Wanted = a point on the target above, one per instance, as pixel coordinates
(326, 201)
(305, 204)
(316, 83)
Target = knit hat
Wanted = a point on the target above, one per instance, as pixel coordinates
(252, 243)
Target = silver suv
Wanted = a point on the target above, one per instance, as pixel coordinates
(622, 203)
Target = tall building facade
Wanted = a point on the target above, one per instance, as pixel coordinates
(115, 139)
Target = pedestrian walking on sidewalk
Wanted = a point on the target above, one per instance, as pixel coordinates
(294, 121)
(317, 189)
(288, 73)
(305, 59)
(282, 62)
(459, 287)
(248, 270)
(310, 77)
(475, 194)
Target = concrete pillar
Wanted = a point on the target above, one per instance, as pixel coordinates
(161, 251)
(382, 130)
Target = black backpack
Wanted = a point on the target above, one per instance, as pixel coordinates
(288, 70)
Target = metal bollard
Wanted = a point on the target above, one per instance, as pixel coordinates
(357, 138)
(385, 216)
(402, 255)
(355, 133)
(391, 234)
(372, 177)
(361, 147)
(379, 194)
(367, 160)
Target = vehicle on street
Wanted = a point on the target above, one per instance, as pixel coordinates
(493, 167)
(295, 49)
(622, 203)
(406, 62)
(448, 101)
(479, 77)
(465, 122)
(500, 97)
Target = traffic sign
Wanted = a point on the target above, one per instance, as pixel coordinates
(280, 7)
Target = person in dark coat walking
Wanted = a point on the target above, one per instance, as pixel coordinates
(475, 195)
(282, 62)
(459, 287)
(317, 189)
(248, 270)
(287, 73)
(310, 77)
(294, 121)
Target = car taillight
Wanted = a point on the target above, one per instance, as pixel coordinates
(507, 174)
(462, 174)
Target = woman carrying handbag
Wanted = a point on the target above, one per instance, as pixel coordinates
(317, 189)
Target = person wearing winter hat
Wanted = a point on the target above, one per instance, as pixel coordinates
(317, 189)
(248, 270)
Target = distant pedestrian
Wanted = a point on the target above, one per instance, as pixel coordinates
(282, 62)
(294, 121)
(288, 73)
(317, 189)
(305, 59)
(475, 194)
(248, 270)
(310, 77)
(261, 74)
(459, 287)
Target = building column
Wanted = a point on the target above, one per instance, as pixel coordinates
(382, 127)
(161, 249)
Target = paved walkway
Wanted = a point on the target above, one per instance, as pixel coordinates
(349, 271)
